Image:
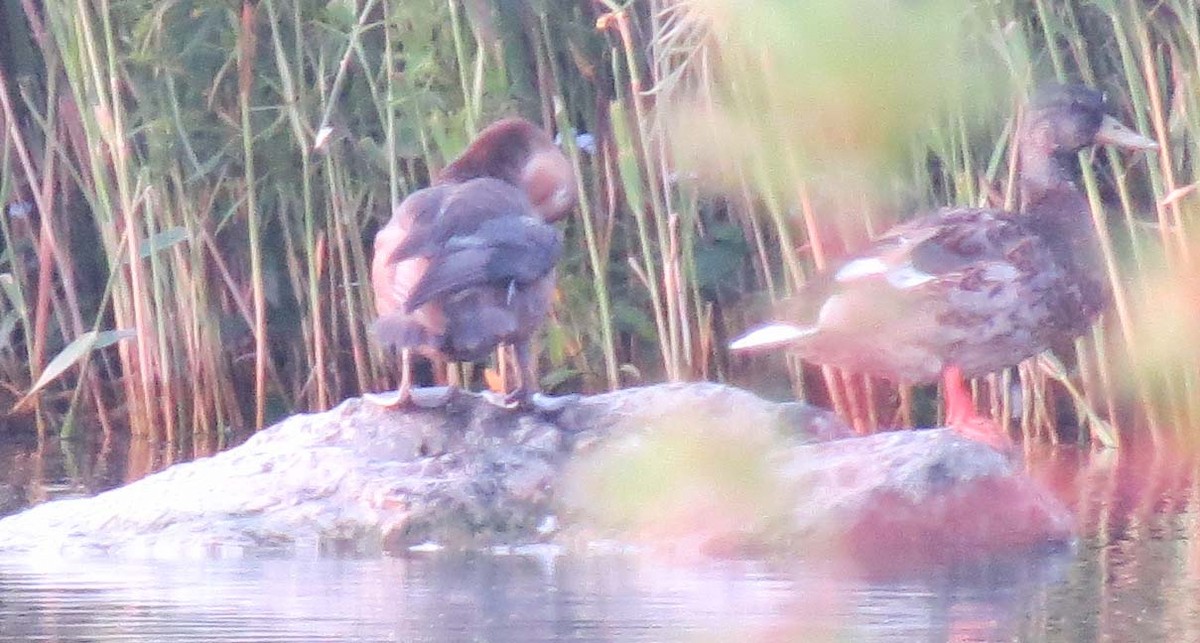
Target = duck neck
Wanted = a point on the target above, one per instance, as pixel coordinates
(1059, 214)
(1049, 198)
(1043, 177)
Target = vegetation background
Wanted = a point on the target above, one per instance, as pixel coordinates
(179, 261)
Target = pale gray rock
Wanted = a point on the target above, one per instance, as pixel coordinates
(362, 479)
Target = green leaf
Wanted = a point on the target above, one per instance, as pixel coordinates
(7, 325)
(556, 377)
(627, 317)
(11, 290)
(163, 240)
(74, 352)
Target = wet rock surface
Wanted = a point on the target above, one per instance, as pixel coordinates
(362, 479)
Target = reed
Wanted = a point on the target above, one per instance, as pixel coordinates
(191, 189)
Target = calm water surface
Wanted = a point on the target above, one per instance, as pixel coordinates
(1134, 576)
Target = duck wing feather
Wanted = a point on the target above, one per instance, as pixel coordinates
(484, 234)
(969, 285)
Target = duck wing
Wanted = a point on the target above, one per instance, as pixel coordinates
(929, 253)
(944, 245)
(509, 248)
(460, 209)
(971, 286)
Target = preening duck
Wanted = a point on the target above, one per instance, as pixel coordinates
(968, 291)
(468, 263)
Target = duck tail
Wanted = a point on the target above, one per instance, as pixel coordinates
(772, 335)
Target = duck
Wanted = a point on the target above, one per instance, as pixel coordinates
(964, 291)
(468, 263)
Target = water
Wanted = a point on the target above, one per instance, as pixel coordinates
(1134, 576)
(606, 597)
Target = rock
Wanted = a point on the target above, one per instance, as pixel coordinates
(11, 499)
(915, 497)
(364, 479)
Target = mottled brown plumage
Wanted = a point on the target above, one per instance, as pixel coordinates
(468, 263)
(969, 290)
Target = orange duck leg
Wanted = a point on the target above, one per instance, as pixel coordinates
(962, 417)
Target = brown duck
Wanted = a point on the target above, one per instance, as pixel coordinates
(467, 264)
(967, 291)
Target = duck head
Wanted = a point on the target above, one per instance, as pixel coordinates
(1064, 119)
(518, 152)
(1061, 120)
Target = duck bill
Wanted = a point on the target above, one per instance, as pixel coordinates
(1112, 132)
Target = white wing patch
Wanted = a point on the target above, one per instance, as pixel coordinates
(771, 335)
(900, 275)
(906, 276)
(863, 267)
(903, 276)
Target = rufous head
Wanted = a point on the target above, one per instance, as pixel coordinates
(519, 152)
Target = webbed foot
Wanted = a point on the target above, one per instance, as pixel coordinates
(551, 405)
(506, 402)
(433, 397)
(539, 403)
(427, 397)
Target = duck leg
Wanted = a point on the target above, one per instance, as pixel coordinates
(405, 396)
(527, 382)
(961, 415)
(528, 394)
(513, 400)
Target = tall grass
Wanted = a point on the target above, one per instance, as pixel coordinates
(182, 257)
